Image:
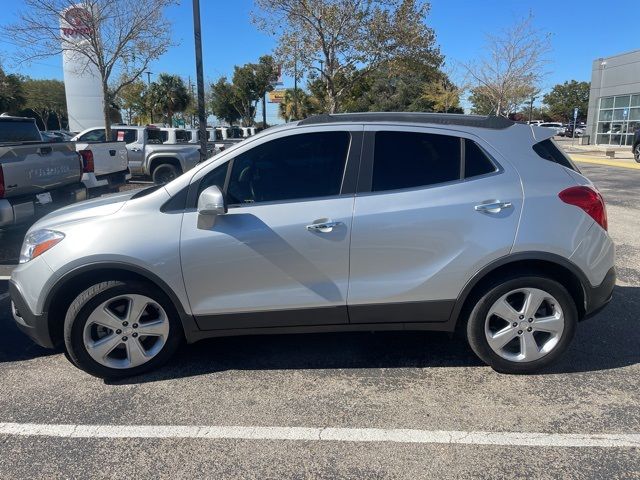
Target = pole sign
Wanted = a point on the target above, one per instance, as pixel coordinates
(276, 96)
(575, 114)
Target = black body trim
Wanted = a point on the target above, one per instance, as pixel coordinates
(600, 296)
(274, 318)
(34, 326)
(478, 121)
(406, 312)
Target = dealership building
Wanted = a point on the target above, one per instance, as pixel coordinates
(614, 99)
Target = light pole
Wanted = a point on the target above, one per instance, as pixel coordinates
(533, 99)
(202, 120)
(149, 83)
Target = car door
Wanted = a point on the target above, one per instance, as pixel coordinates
(280, 256)
(433, 206)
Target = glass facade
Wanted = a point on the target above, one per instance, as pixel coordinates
(618, 119)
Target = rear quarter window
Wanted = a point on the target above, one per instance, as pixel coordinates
(548, 150)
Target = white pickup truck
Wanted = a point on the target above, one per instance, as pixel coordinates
(106, 165)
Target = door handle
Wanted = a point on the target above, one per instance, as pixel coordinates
(135, 149)
(493, 207)
(323, 226)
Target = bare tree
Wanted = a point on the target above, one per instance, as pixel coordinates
(340, 39)
(117, 37)
(512, 68)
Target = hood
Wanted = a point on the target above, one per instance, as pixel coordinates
(98, 207)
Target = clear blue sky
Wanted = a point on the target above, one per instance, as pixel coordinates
(581, 32)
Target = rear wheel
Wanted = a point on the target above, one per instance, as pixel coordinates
(164, 173)
(523, 324)
(636, 153)
(121, 328)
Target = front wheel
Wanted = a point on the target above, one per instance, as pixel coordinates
(121, 328)
(164, 173)
(636, 153)
(523, 324)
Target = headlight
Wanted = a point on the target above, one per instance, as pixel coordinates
(38, 242)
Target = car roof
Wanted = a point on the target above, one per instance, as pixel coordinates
(477, 121)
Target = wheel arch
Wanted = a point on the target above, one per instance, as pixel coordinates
(549, 264)
(67, 288)
(155, 162)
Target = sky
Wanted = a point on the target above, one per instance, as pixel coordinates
(580, 33)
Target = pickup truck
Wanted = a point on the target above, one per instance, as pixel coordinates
(106, 166)
(147, 154)
(35, 176)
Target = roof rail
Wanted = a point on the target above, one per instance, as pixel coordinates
(478, 121)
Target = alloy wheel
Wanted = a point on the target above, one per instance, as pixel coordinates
(126, 331)
(524, 325)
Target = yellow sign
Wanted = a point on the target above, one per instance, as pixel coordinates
(276, 96)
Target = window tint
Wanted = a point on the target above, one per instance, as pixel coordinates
(123, 134)
(181, 136)
(407, 159)
(164, 135)
(154, 136)
(298, 166)
(216, 177)
(548, 150)
(476, 161)
(93, 136)
(17, 131)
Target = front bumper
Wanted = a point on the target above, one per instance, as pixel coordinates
(35, 326)
(599, 297)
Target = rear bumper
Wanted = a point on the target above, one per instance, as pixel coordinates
(599, 297)
(18, 210)
(110, 180)
(34, 326)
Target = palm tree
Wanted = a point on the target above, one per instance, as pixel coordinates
(169, 95)
(291, 110)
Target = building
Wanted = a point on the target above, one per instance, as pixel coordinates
(614, 99)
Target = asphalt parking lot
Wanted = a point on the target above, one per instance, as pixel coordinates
(424, 382)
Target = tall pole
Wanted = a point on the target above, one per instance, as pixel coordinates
(295, 82)
(531, 108)
(149, 83)
(200, 80)
(264, 110)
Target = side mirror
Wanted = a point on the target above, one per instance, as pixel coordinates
(211, 202)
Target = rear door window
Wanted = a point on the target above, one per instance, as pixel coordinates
(126, 135)
(93, 136)
(411, 159)
(476, 161)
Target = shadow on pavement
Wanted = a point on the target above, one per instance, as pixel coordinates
(609, 340)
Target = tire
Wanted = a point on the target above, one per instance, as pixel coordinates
(164, 173)
(636, 153)
(519, 355)
(151, 337)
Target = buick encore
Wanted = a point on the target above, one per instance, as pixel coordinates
(380, 221)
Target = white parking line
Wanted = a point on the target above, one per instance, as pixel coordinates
(325, 435)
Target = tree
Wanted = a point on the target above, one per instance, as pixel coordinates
(512, 70)
(223, 101)
(169, 95)
(443, 94)
(115, 37)
(46, 97)
(336, 38)
(12, 97)
(131, 98)
(564, 97)
(296, 105)
(250, 83)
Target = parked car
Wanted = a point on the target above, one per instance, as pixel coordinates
(36, 176)
(63, 134)
(636, 146)
(147, 155)
(477, 224)
(580, 130)
(106, 165)
(557, 127)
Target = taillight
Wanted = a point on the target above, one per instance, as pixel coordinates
(1, 182)
(589, 200)
(87, 161)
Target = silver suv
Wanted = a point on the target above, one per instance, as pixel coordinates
(383, 221)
